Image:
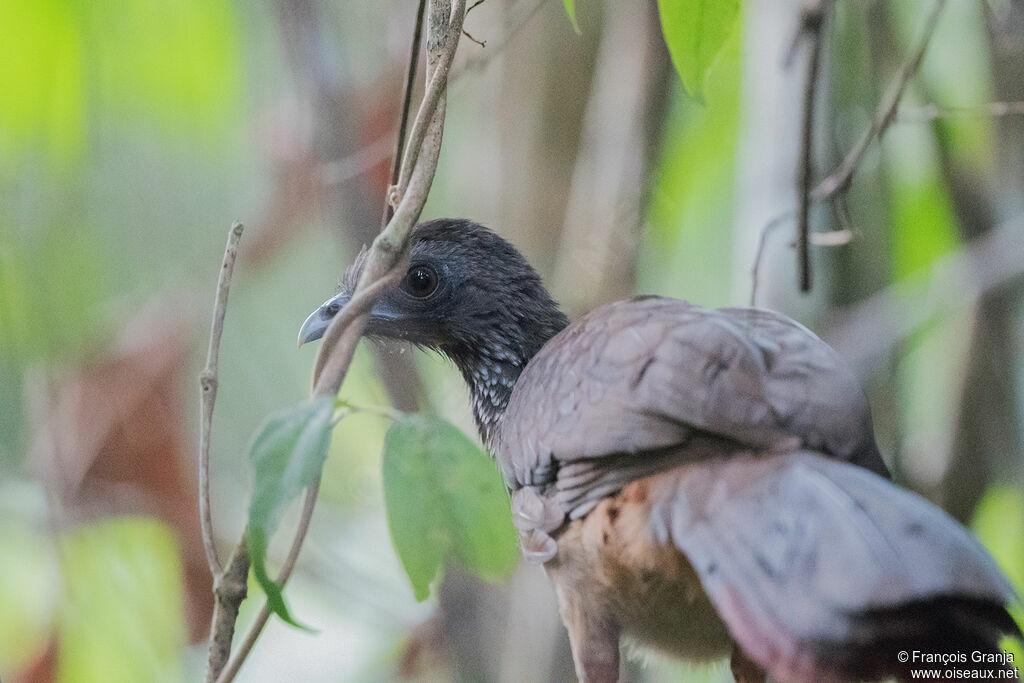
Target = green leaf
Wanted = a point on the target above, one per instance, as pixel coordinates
(999, 523)
(287, 453)
(570, 9)
(695, 31)
(122, 585)
(444, 500)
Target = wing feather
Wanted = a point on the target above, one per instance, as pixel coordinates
(650, 373)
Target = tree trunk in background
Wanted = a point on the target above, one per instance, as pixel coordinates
(616, 163)
(545, 78)
(766, 169)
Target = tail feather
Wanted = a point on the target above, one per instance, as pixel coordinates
(965, 630)
(824, 571)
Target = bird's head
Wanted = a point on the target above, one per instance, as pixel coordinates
(467, 293)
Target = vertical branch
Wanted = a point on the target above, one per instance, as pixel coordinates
(230, 590)
(232, 667)
(410, 79)
(840, 178)
(444, 27)
(208, 395)
(382, 266)
(812, 26)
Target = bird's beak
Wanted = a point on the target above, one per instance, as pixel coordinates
(317, 322)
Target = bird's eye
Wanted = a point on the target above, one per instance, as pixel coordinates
(420, 281)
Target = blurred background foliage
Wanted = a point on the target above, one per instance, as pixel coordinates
(133, 133)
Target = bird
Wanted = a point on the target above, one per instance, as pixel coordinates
(703, 483)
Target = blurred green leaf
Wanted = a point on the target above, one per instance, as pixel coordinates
(923, 224)
(999, 523)
(28, 590)
(695, 31)
(168, 62)
(570, 9)
(687, 251)
(287, 453)
(42, 89)
(121, 615)
(444, 498)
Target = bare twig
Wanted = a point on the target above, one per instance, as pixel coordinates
(360, 303)
(403, 125)
(518, 22)
(762, 243)
(338, 346)
(383, 263)
(437, 75)
(481, 43)
(840, 178)
(231, 670)
(208, 395)
(932, 112)
(230, 589)
(812, 23)
(364, 159)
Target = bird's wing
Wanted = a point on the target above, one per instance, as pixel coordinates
(633, 378)
(809, 559)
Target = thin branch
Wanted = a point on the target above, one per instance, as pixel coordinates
(812, 27)
(932, 112)
(762, 243)
(208, 381)
(840, 178)
(231, 670)
(230, 590)
(382, 266)
(468, 35)
(481, 59)
(364, 159)
(410, 80)
(437, 83)
(384, 258)
(357, 306)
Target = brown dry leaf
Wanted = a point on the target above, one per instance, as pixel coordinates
(111, 440)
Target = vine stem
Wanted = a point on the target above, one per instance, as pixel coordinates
(382, 267)
(208, 382)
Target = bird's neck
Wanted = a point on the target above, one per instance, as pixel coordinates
(491, 376)
(492, 365)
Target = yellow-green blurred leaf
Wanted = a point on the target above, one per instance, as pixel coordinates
(570, 9)
(122, 611)
(174, 62)
(64, 64)
(695, 31)
(999, 523)
(28, 588)
(688, 250)
(923, 225)
(42, 89)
